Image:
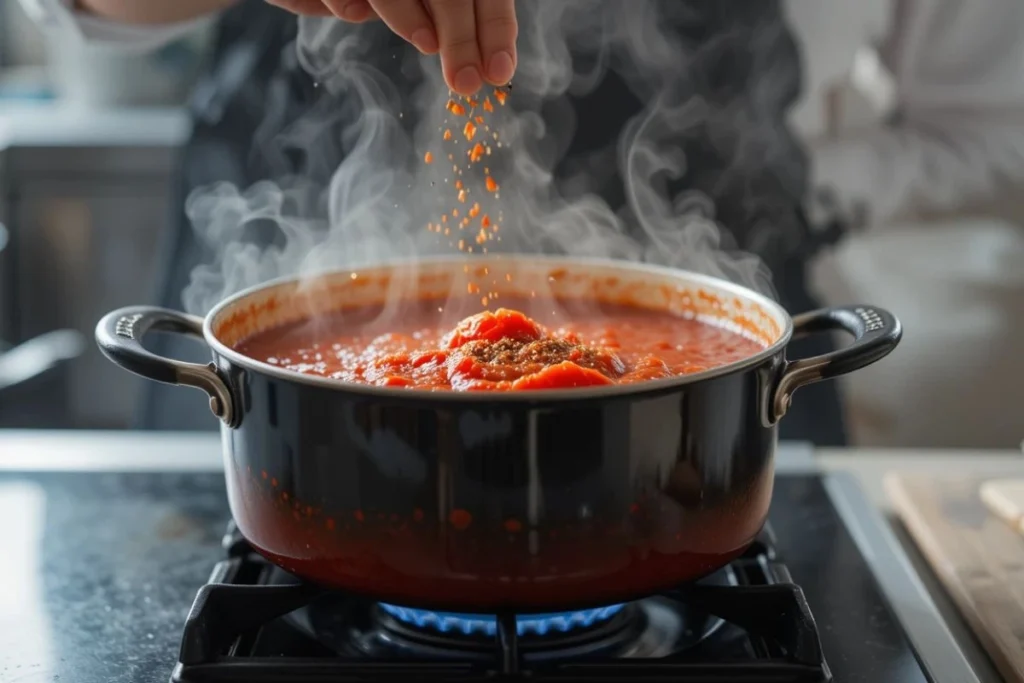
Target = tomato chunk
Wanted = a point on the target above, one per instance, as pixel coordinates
(565, 375)
(487, 326)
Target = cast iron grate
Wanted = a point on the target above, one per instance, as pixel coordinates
(234, 634)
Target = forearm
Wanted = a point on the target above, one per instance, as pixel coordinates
(152, 11)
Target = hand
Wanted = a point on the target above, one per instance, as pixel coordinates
(476, 38)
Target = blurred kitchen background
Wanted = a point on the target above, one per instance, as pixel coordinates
(87, 146)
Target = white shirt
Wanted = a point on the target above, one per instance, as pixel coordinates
(957, 70)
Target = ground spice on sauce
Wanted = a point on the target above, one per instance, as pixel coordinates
(502, 350)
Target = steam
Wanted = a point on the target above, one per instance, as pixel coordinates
(388, 108)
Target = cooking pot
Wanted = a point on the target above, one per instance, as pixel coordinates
(499, 501)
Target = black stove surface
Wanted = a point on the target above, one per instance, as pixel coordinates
(102, 569)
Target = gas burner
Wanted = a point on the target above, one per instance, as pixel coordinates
(479, 625)
(405, 633)
(254, 622)
(653, 627)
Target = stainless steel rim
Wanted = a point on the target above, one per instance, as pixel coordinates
(529, 396)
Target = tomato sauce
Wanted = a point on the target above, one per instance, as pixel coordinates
(501, 350)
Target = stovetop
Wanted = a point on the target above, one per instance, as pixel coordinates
(101, 571)
(746, 623)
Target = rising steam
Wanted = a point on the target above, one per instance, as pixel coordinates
(390, 109)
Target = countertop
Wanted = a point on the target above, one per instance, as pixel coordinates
(125, 607)
(53, 124)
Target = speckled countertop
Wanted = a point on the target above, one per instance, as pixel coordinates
(101, 571)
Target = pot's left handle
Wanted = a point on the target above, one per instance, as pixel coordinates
(876, 332)
(120, 334)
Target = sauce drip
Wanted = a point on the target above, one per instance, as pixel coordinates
(502, 350)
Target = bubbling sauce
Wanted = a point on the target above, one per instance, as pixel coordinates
(501, 350)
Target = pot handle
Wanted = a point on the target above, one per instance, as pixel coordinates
(120, 333)
(876, 332)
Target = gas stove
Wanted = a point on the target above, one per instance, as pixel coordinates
(120, 576)
(253, 621)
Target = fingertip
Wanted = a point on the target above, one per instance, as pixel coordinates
(355, 11)
(500, 68)
(467, 80)
(425, 40)
(358, 11)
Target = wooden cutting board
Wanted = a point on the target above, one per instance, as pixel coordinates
(1005, 499)
(977, 556)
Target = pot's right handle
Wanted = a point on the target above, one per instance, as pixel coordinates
(120, 334)
(876, 333)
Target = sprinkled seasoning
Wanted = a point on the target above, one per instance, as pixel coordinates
(469, 114)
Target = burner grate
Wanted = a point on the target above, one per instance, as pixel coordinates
(226, 634)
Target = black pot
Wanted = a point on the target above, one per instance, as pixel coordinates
(486, 502)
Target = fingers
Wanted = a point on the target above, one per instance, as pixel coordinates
(497, 31)
(309, 8)
(409, 19)
(476, 38)
(354, 11)
(455, 21)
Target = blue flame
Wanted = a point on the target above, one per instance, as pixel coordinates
(478, 624)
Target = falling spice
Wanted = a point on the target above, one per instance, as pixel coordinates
(477, 220)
